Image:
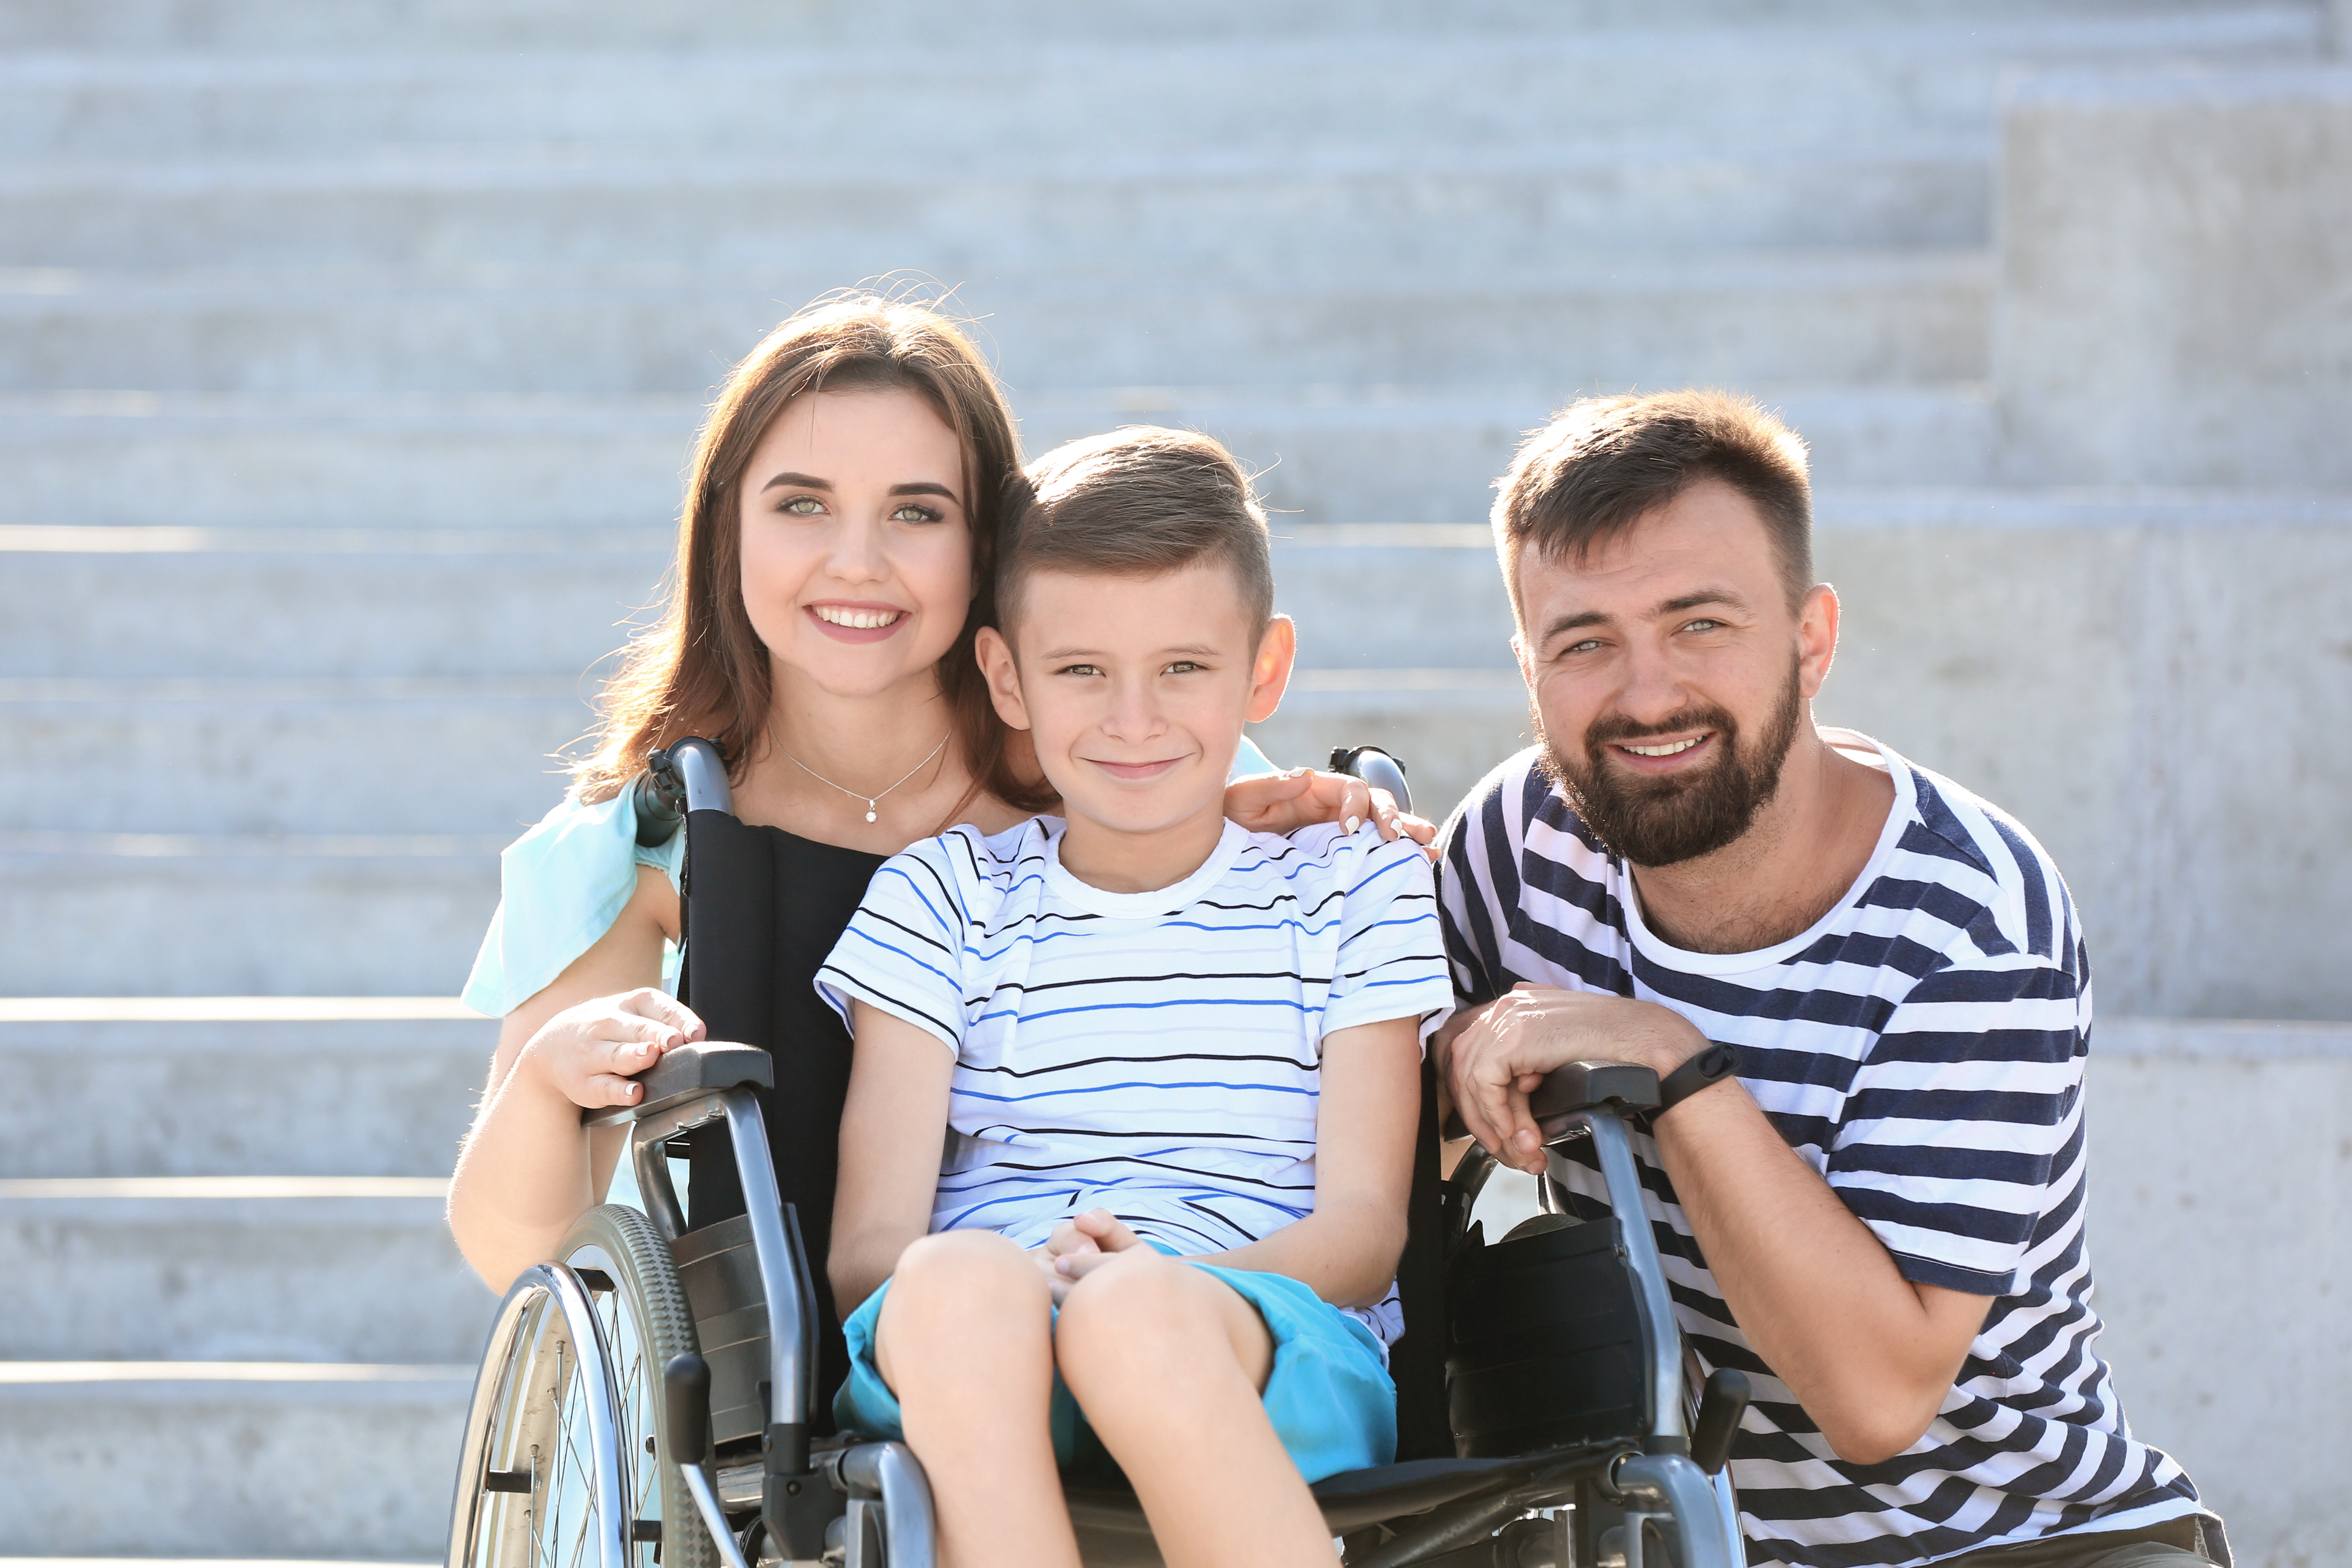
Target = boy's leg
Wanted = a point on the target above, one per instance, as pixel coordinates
(965, 1341)
(1168, 1364)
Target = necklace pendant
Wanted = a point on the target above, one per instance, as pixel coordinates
(869, 813)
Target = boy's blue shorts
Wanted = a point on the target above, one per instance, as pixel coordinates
(1328, 1395)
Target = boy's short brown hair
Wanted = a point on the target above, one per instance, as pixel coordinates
(1604, 463)
(1136, 502)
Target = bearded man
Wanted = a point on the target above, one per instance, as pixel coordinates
(1871, 1202)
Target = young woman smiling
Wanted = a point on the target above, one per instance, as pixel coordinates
(834, 548)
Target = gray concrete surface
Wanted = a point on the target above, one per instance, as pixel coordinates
(2173, 303)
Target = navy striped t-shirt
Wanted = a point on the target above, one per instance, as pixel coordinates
(1160, 1054)
(1922, 1046)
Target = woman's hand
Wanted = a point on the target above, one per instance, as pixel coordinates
(1301, 797)
(591, 1053)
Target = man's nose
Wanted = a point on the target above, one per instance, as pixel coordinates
(1654, 688)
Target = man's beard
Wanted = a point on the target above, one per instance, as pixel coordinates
(1653, 821)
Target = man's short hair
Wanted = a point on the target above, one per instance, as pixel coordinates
(1604, 463)
(1136, 502)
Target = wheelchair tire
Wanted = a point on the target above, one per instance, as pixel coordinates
(528, 1493)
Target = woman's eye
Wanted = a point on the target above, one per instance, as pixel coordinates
(803, 506)
(911, 513)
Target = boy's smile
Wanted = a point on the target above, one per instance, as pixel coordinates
(1135, 691)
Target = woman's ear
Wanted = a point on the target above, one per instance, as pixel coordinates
(1003, 677)
(1277, 649)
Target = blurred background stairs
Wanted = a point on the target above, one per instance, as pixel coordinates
(349, 355)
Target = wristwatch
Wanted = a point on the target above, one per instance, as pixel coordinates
(1717, 1062)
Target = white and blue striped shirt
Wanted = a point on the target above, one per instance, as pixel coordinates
(1922, 1046)
(1155, 1054)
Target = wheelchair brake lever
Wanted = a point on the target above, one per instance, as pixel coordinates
(686, 1386)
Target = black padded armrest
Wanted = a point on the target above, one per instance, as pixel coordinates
(686, 1071)
(1625, 1087)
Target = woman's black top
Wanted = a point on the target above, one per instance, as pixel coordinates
(762, 909)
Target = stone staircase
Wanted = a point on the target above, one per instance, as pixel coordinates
(348, 356)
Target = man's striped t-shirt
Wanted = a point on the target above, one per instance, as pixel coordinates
(1922, 1046)
(1155, 1054)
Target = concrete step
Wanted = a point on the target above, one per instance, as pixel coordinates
(468, 755)
(189, 915)
(1913, 318)
(280, 27)
(452, 215)
(472, 473)
(295, 1268)
(227, 1086)
(510, 611)
(227, 1459)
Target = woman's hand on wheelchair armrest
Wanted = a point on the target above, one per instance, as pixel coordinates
(1301, 797)
(592, 1053)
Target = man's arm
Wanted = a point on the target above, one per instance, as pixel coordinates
(1869, 1354)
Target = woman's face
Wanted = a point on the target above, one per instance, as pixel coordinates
(856, 544)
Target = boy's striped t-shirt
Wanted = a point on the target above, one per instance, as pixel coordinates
(1155, 1054)
(1922, 1046)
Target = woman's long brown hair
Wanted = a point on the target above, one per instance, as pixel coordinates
(702, 670)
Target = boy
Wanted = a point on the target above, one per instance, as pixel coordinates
(1164, 1037)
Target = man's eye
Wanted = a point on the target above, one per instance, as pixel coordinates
(1587, 645)
(1704, 624)
(911, 513)
(803, 506)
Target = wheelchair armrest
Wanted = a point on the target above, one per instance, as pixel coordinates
(1625, 1087)
(684, 1072)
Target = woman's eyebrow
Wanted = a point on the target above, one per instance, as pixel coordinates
(924, 488)
(798, 481)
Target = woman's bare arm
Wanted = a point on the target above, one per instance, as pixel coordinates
(528, 1169)
(893, 1126)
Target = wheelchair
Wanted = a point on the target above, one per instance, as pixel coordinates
(651, 1396)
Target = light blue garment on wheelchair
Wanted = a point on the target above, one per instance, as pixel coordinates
(1328, 1395)
(563, 883)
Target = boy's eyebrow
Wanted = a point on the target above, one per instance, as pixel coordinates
(1188, 651)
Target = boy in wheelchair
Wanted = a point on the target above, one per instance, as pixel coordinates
(1175, 1065)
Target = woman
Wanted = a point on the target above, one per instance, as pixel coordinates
(835, 543)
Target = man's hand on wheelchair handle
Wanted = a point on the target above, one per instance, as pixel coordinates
(1301, 797)
(592, 1052)
(1493, 1057)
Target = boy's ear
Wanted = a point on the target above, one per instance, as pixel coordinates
(1278, 650)
(1003, 677)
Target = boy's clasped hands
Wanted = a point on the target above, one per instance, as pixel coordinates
(1081, 1245)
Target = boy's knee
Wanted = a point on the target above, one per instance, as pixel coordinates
(1135, 1308)
(967, 1271)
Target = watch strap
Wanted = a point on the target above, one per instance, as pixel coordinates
(1713, 1065)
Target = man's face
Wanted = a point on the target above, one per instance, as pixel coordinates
(1669, 674)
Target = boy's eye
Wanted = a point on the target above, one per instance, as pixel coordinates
(1185, 667)
(1078, 669)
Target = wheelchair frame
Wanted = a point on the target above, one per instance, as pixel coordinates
(1643, 1500)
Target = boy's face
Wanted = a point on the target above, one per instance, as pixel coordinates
(1134, 689)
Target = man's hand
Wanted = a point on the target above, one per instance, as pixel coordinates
(1301, 797)
(591, 1054)
(1081, 1245)
(1493, 1057)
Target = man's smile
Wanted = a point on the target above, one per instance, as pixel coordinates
(1662, 755)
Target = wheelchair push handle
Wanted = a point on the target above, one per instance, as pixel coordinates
(1376, 768)
(688, 776)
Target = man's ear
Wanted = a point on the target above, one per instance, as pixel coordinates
(1278, 650)
(1002, 675)
(1817, 631)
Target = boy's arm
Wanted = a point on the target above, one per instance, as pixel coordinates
(1347, 1248)
(892, 1128)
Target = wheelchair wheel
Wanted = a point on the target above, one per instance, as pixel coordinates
(567, 1451)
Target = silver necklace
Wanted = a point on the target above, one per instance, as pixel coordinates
(875, 799)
